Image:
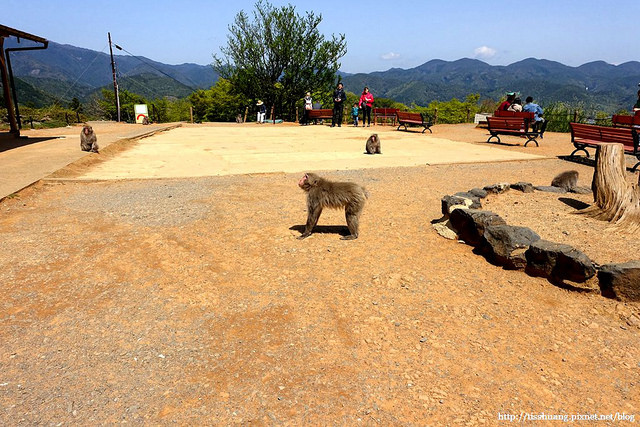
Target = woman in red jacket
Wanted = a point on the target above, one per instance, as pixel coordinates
(366, 102)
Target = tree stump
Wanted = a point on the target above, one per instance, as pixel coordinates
(615, 200)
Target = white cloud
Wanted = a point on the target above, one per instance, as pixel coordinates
(484, 52)
(390, 56)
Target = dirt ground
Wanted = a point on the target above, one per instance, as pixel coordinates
(190, 301)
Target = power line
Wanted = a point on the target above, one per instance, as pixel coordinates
(157, 69)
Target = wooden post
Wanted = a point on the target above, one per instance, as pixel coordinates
(297, 118)
(273, 117)
(575, 116)
(8, 99)
(191, 113)
(246, 112)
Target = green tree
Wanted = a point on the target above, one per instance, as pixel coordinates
(75, 105)
(220, 103)
(279, 46)
(127, 100)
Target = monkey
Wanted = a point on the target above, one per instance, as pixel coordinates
(373, 144)
(239, 118)
(567, 180)
(145, 120)
(88, 140)
(322, 193)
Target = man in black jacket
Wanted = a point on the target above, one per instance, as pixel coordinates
(338, 101)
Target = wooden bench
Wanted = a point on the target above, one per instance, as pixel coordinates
(323, 113)
(384, 113)
(583, 136)
(625, 121)
(418, 119)
(526, 115)
(510, 126)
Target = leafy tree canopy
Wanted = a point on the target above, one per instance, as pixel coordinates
(278, 55)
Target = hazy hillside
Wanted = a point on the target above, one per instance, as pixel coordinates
(596, 84)
(68, 71)
(63, 72)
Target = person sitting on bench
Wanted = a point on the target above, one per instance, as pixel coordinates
(540, 123)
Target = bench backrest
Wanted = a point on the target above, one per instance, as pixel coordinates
(405, 115)
(524, 114)
(385, 111)
(625, 136)
(324, 112)
(513, 124)
(620, 120)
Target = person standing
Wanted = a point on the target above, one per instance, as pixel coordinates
(354, 114)
(262, 111)
(339, 96)
(366, 103)
(308, 105)
(540, 124)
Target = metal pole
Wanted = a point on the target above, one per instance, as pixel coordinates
(115, 82)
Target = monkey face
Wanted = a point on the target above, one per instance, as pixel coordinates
(308, 181)
(87, 130)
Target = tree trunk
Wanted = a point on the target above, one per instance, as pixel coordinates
(615, 200)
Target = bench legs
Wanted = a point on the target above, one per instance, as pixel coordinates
(579, 148)
(494, 135)
(532, 138)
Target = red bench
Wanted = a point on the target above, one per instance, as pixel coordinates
(384, 113)
(413, 119)
(510, 126)
(526, 115)
(583, 136)
(625, 121)
(325, 113)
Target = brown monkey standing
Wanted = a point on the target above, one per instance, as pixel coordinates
(88, 139)
(322, 193)
(373, 144)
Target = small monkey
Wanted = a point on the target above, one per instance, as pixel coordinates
(567, 180)
(145, 120)
(322, 193)
(373, 144)
(239, 118)
(88, 139)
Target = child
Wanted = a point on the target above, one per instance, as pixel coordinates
(354, 114)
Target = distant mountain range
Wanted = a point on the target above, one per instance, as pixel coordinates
(596, 85)
(63, 72)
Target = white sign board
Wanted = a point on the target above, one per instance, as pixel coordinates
(141, 111)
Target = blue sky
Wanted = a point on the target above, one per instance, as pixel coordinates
(380, 34)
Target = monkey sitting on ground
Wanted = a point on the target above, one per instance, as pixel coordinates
(322, 193)
(145, 120)
(373, 144)
(567, 180)
(239, 118)
(88, 140)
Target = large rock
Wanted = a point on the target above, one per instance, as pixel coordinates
(498, 188)
(506, 244)
(558, 262)
(581, 190)
(525, 187)
(449, 203)
(478, 192)
(470, 224)
(550, 189)
(620, 280)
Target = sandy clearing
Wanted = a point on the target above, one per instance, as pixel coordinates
(202, 150)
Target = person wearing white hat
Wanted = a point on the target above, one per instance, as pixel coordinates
(262, 111)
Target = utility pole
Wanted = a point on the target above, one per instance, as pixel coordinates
(115, 82)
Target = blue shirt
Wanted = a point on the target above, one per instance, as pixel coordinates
(354, 111)
(535, 109)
